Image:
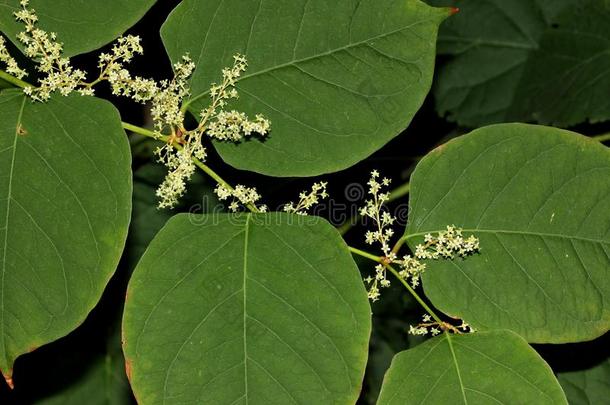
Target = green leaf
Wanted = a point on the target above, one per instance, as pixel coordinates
(337, 79)
(490, 41)
(524, 60)
(537, 198)
(147, 219)
(4, 85)
(590, 386)
(567, 79)
(266, 308)
(81, 25)
(65, 202)
(88, 364)
(477, 368)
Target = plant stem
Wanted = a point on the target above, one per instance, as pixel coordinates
(405, 238)
(143, 131)
(602, 137)
(415, 295)
(208, 170)
(367, 255)
(205, 168)
(379, 259)
(13, 80)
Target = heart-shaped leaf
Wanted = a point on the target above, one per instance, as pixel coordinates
(65, 203)
(477, 368)
(337, 79)
(266, 308)
(537, 198)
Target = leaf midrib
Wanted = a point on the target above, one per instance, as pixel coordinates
(457, 367)
(8, 209)
(319, 55)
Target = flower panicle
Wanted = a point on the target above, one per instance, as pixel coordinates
(434, 328)
(180, 169)
(374, 209)
(11, 64)
(112, 69)
(446, 244)
(215, 122)
(240, 196)
(383, 232)
(166, 97)
(307, 199)
(59, 75)
(230, 125)
(167, 101)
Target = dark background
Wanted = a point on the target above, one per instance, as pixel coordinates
(53, 369)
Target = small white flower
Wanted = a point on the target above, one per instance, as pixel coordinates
(417, 330)
(241, 195)
(11, 64)
(58, 73)
(308, 200)
(383, 221)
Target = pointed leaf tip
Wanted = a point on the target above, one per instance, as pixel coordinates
(9, 380)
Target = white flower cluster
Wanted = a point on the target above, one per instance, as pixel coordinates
(230, 125)
(167, 96)
(181, 168)
(411, 269)
(167, 102)
(383, 221)
(380, 280)
(11, 64)
(308, 200)
(241, 195)
(374, 210)
(447, 244)
(214, 121)
(234, 125)
(428, 325)
(112, 69)
(44, 48)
